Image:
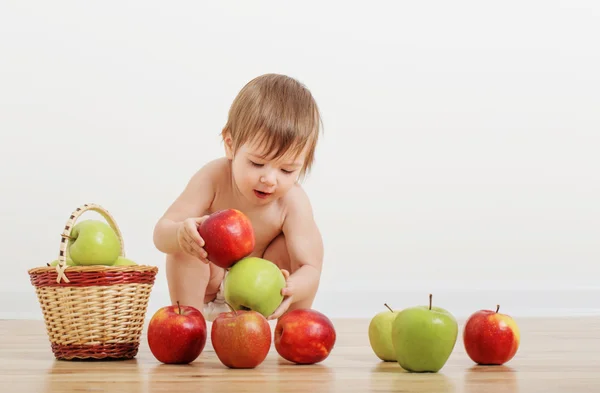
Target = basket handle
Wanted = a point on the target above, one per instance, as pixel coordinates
(66, 235)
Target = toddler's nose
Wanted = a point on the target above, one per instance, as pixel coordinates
(268, 179)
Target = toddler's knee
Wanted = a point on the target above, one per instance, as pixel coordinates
(277, 253)
(183, 260)
(185, 271)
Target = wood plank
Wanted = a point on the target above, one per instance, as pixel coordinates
(556, 355)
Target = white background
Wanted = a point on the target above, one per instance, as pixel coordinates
(459, 156)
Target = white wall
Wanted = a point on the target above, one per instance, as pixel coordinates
(460, 154)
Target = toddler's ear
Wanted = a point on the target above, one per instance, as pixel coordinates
(228, 142)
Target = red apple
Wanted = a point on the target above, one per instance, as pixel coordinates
(304, 336)
(491, 338)
(228, 237)
(177, 334)
(241, 339)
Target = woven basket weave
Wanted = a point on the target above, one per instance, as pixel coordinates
(93, 312)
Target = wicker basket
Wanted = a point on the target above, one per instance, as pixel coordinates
(93, 312)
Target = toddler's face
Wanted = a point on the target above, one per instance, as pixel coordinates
(263, 179)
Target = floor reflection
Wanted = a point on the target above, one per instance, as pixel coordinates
(492, 379)
(90, 375)
(390, 377)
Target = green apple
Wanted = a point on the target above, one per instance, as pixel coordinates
(254, 284)
(69, 262)
(93, 242)
(380, 335)
(424, 337)
(122, 261)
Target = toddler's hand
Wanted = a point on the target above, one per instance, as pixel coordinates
(189, 238)
(288, 296)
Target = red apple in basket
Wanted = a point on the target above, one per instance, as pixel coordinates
(491, 338)
(241, 339)
(228, 237)
(177, 334)
(304, 336)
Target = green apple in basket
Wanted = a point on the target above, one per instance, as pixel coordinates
(69, 262)
(122, 261)
(93, 242)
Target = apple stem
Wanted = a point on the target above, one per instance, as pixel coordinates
(232, 309)
(430, 296)
(178, 307)
(385, 304)
(497, 308)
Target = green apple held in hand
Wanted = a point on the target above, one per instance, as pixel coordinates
(254, 284)
(93, 242)
(122, 261)
(380, 335)
(424, 337)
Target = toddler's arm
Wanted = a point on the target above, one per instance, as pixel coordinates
(305, 247)
(192, 203)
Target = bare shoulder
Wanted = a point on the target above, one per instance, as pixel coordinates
(297, 203)
(198, 195)
(211, 178)
(212, 171)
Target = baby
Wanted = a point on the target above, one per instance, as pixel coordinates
(269, 139)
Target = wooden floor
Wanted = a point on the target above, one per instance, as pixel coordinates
(556, 355)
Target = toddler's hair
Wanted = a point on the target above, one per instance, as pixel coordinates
(277, 112)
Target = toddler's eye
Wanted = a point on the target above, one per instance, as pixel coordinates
(255, 164)
(287, 172)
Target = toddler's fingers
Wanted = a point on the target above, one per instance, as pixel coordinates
(196, 249)
(199, 220)
(192, 232)
(203, 257)
(188, 249)
(189, 244)
(185, 245)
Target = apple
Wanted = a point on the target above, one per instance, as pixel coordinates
(424, 337)
(380, 335)
(491, 338)
(93, 242)
(241, 339)
(254, 284)
(69, 262)
(122, 261)
(304, 336)
(177, 334)
(228, 237)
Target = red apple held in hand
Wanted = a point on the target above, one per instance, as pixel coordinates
(228, 237)
(491, 338)
(304, 336)
(177, 334)
(241, 339)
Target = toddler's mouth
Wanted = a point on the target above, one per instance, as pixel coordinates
(261, 194)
